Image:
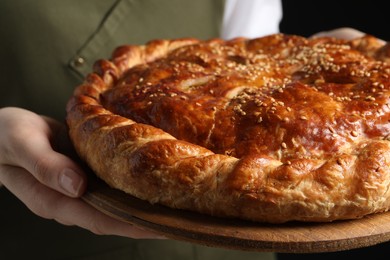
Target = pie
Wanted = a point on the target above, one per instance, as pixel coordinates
(273, 129)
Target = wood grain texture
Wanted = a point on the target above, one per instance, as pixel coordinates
(238, 234)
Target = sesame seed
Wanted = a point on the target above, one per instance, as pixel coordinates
(354, 133)
(339, 161)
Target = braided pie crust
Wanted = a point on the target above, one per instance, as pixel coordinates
(274, 129)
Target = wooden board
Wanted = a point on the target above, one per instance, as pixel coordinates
(238, 234)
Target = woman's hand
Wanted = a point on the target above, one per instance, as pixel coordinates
(345, 33)
(45, 180)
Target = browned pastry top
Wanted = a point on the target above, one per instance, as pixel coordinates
(290, 118)
(281, 96)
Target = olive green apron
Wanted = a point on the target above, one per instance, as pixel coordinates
(46, 48)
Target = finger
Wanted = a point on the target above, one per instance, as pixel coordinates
(50, 204)
(61, 141)
(345, 33)
(32, 150)
(53, 169)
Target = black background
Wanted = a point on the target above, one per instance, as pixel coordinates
(304, 17)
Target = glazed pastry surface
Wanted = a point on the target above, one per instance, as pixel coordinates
(273, 129)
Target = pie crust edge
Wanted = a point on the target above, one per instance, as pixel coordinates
(152, 165)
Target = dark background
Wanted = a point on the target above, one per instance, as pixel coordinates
(304, 17)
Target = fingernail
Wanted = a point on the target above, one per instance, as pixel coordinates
(71, 182)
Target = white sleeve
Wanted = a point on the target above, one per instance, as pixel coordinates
(251, 18)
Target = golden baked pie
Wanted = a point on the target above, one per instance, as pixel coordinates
(274, 129)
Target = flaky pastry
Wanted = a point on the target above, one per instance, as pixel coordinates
(274, 129)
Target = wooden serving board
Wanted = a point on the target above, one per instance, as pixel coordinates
(238, 234)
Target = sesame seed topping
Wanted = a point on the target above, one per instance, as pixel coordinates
(339, 161)
(271, 90)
